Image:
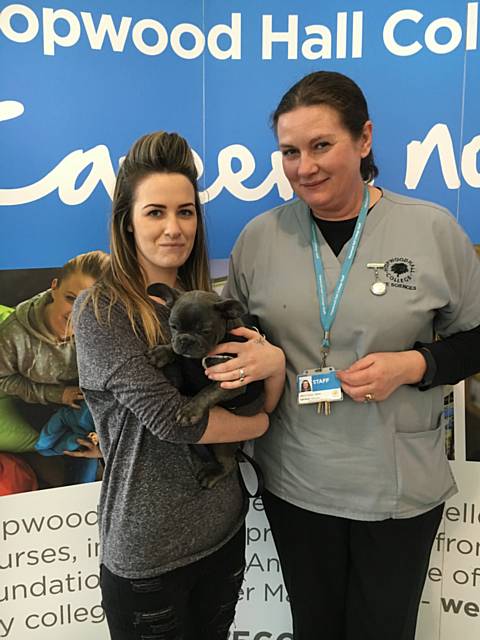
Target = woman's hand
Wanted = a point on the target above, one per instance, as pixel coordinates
(90, 450)
(255, 359)
(376, 376)
(72, 396)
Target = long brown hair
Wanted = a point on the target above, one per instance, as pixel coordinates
(124, 280)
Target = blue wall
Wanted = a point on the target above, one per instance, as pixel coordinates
(80, 104)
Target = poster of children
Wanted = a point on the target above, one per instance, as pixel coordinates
(47, 435)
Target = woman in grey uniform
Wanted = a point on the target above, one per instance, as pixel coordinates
(355, 488)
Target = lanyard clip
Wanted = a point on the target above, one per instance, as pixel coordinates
(325, 348)
(324, 358)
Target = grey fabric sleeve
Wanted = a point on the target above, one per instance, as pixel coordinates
(152, 399)
(461, 268)
(236, 285)
(113, 359)
(14, 383)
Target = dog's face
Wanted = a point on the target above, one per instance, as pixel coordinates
(198, 319)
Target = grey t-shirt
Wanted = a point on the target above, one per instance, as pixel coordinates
(153, 514)
(365, 461)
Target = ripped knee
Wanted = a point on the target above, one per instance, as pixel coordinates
(157, 625)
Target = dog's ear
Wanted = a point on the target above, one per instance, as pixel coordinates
(230, 308)
(161, 290)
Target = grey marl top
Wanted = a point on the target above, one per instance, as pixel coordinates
(153, 514)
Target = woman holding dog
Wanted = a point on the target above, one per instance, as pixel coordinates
(172, 553)
(355, 492)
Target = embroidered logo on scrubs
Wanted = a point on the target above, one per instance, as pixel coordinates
(401, 273)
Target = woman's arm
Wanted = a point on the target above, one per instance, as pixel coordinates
(144, 391)
(15, 384)
(455, 358)
(15, 346)
(258, 359)
(20, 387)
(224, 426)
(113, 361)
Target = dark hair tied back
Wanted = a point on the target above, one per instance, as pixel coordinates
(338, 92)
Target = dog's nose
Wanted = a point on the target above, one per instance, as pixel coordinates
(188, 345)
(186, 340)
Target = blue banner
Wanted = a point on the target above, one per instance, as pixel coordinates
(81, 80)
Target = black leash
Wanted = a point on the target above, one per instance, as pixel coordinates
(247, 461)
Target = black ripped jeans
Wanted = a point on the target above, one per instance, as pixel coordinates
(194, 602)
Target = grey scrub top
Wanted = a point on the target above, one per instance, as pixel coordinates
(364, 461)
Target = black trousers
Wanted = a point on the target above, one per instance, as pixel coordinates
(194, 602)
(352, 580)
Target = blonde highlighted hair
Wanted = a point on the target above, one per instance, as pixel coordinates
(124, 280)
(93, 264)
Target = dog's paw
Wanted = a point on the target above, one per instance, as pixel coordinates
(159, 356)
(189, 414)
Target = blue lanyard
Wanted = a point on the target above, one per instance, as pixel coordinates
(329, 311)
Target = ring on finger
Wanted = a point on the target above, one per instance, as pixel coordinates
(368, 397)
(241, 377)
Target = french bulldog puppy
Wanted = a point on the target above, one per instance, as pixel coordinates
(199, 320)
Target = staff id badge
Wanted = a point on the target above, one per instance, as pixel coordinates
(318, 385)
